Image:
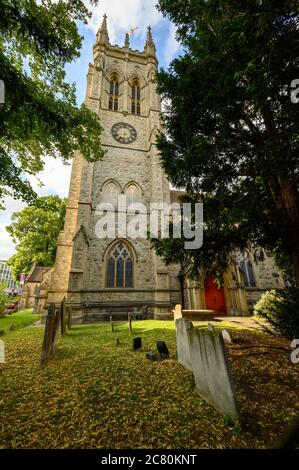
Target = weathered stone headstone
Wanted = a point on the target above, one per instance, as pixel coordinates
(226, 336)
(162, 349)
(117, 340)
(136, 343)
(177, 312)
(49, 334)
(63, 317)
(212, 371)
(211, 327)
(2, 352)
(182, 342)
(56, 322)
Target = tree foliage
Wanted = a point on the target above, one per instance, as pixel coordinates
(4, 299)
(39, 116)
(35, 230)
(231, 129)
(281, 309)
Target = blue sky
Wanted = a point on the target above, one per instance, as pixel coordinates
(122, 15)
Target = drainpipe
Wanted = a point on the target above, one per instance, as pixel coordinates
(181, 278)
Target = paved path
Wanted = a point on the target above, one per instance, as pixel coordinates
(245, 322)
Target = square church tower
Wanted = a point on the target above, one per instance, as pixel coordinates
(102, 276)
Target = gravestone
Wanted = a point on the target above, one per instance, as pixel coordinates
(2, 352)
(226, 336)
(151, 356)
(177, 312)
(211, 327)
(162, 349)
(183, 350)
(212, 372)
(117, 340)
(136, 343)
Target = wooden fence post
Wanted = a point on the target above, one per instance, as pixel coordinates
(130, 323)
(112, 324)
(48, 334)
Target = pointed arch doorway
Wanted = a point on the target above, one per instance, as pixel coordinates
(214, 296)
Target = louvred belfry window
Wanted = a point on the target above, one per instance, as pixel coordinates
(136, 97)
(113, 93)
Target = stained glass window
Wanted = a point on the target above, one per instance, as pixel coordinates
(247, 271)
(120, 267)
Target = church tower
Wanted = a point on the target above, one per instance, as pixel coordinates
(104, 276)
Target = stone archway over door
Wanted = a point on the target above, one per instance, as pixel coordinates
(215, 298)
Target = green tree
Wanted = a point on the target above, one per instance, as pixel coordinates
(231, 128)
(4, 299)
(35, 230)
(39, 116)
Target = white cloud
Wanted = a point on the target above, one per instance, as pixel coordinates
(55, 177)
(6, 244)
(172, 46)
(124, 14)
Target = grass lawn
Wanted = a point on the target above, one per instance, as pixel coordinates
(18, 320)
(95, 394)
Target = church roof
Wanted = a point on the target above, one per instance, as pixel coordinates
(37, 273)
(174, 195)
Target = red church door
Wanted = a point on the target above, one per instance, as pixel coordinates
(215, 299)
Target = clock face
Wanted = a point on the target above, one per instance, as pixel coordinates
(124, 133)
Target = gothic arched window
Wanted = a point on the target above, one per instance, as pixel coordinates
(247, 271)
(113, 93)
(133, 194)
(120, 266)
(136, 97)
(110, 193)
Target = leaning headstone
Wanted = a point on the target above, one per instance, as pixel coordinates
(211, 327)
(136, 343)
(2, 352)
(63, 317)
(226, 336)
(55, 336)
(49, 335)
(162, 349)
(212, 372)
(182, 342)
(117, 340)
(151, 356)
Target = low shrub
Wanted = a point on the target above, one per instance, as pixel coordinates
(280, 308)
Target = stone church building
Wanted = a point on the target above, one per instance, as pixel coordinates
(103, 276)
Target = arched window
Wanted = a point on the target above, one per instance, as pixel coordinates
(110, 193)
(136, 97)
(132, 194)
(120, 266)
(113, 93)
(247, 271)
